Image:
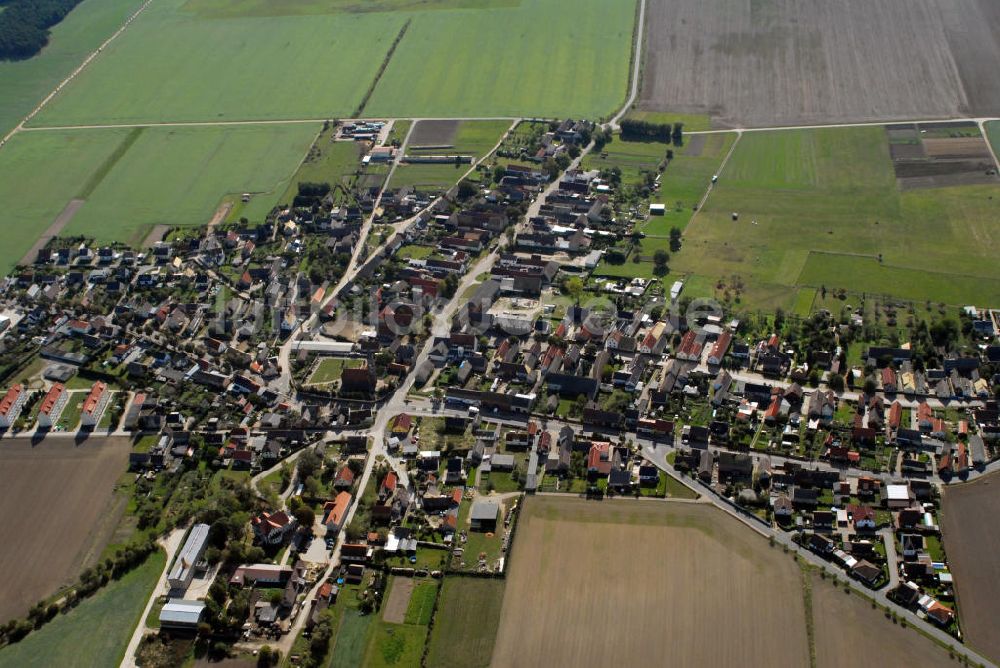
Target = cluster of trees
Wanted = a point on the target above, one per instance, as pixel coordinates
(24, 26)
(310, 194)
(632, 129)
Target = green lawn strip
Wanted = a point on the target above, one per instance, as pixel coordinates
(352, 639)
(97, 631)
(421, 606)
(395, 645)
(465, 623)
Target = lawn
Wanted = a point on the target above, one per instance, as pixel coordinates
(395, 645)
(70, 416)
(465, 624)
(24, 83)
(97, 631)
(351, 640)
(527, 60)
(822, 208)
(421, 606)
(329, 369)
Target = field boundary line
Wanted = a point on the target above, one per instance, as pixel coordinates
(382, 68)
(711, 186)
(72, 75)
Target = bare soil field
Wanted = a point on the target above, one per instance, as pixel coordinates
(56, 498)
(433, 133)
(674, 582)
(972, 539)
(957, 148)
(846, 627)
(394, 611)
(788, 62)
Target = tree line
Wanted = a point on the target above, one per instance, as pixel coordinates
(24, 25)
(636, 130)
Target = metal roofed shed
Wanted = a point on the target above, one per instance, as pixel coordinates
(180, 613)
(483, 515)
(182, 571)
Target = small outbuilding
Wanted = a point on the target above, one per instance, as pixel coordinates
(483, 516)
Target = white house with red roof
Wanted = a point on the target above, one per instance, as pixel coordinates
(52, 405)
(94, 404)
(11, 405)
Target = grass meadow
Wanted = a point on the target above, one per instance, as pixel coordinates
(97, 631)
(822, 208)
(24, 83)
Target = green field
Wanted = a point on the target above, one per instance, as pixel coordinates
(475, 138)
(205, 60)
(39, 174)
(465, 624)
(692, 122)
(183, 67)
(97, 631)
(25, 83)
(818, 207)
(532, 59)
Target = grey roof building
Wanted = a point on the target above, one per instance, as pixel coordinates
(180, 613)
(183, 569)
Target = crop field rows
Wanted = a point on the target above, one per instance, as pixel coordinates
(687, 582)
(791, 62)
(56, 498)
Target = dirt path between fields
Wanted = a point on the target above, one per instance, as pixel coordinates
(53, 230)
(220, 214)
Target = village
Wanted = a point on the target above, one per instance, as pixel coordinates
(390, 372)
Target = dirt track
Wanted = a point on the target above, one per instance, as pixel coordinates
(55, 497)
(776, 62)
(623, 583)
(53, 230)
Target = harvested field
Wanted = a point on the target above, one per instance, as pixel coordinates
(847, 627)
(433, 133)
(789, 62)
(56, 496)
(957, 148)
(396, 605)
(970, 531)
(688, 572)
